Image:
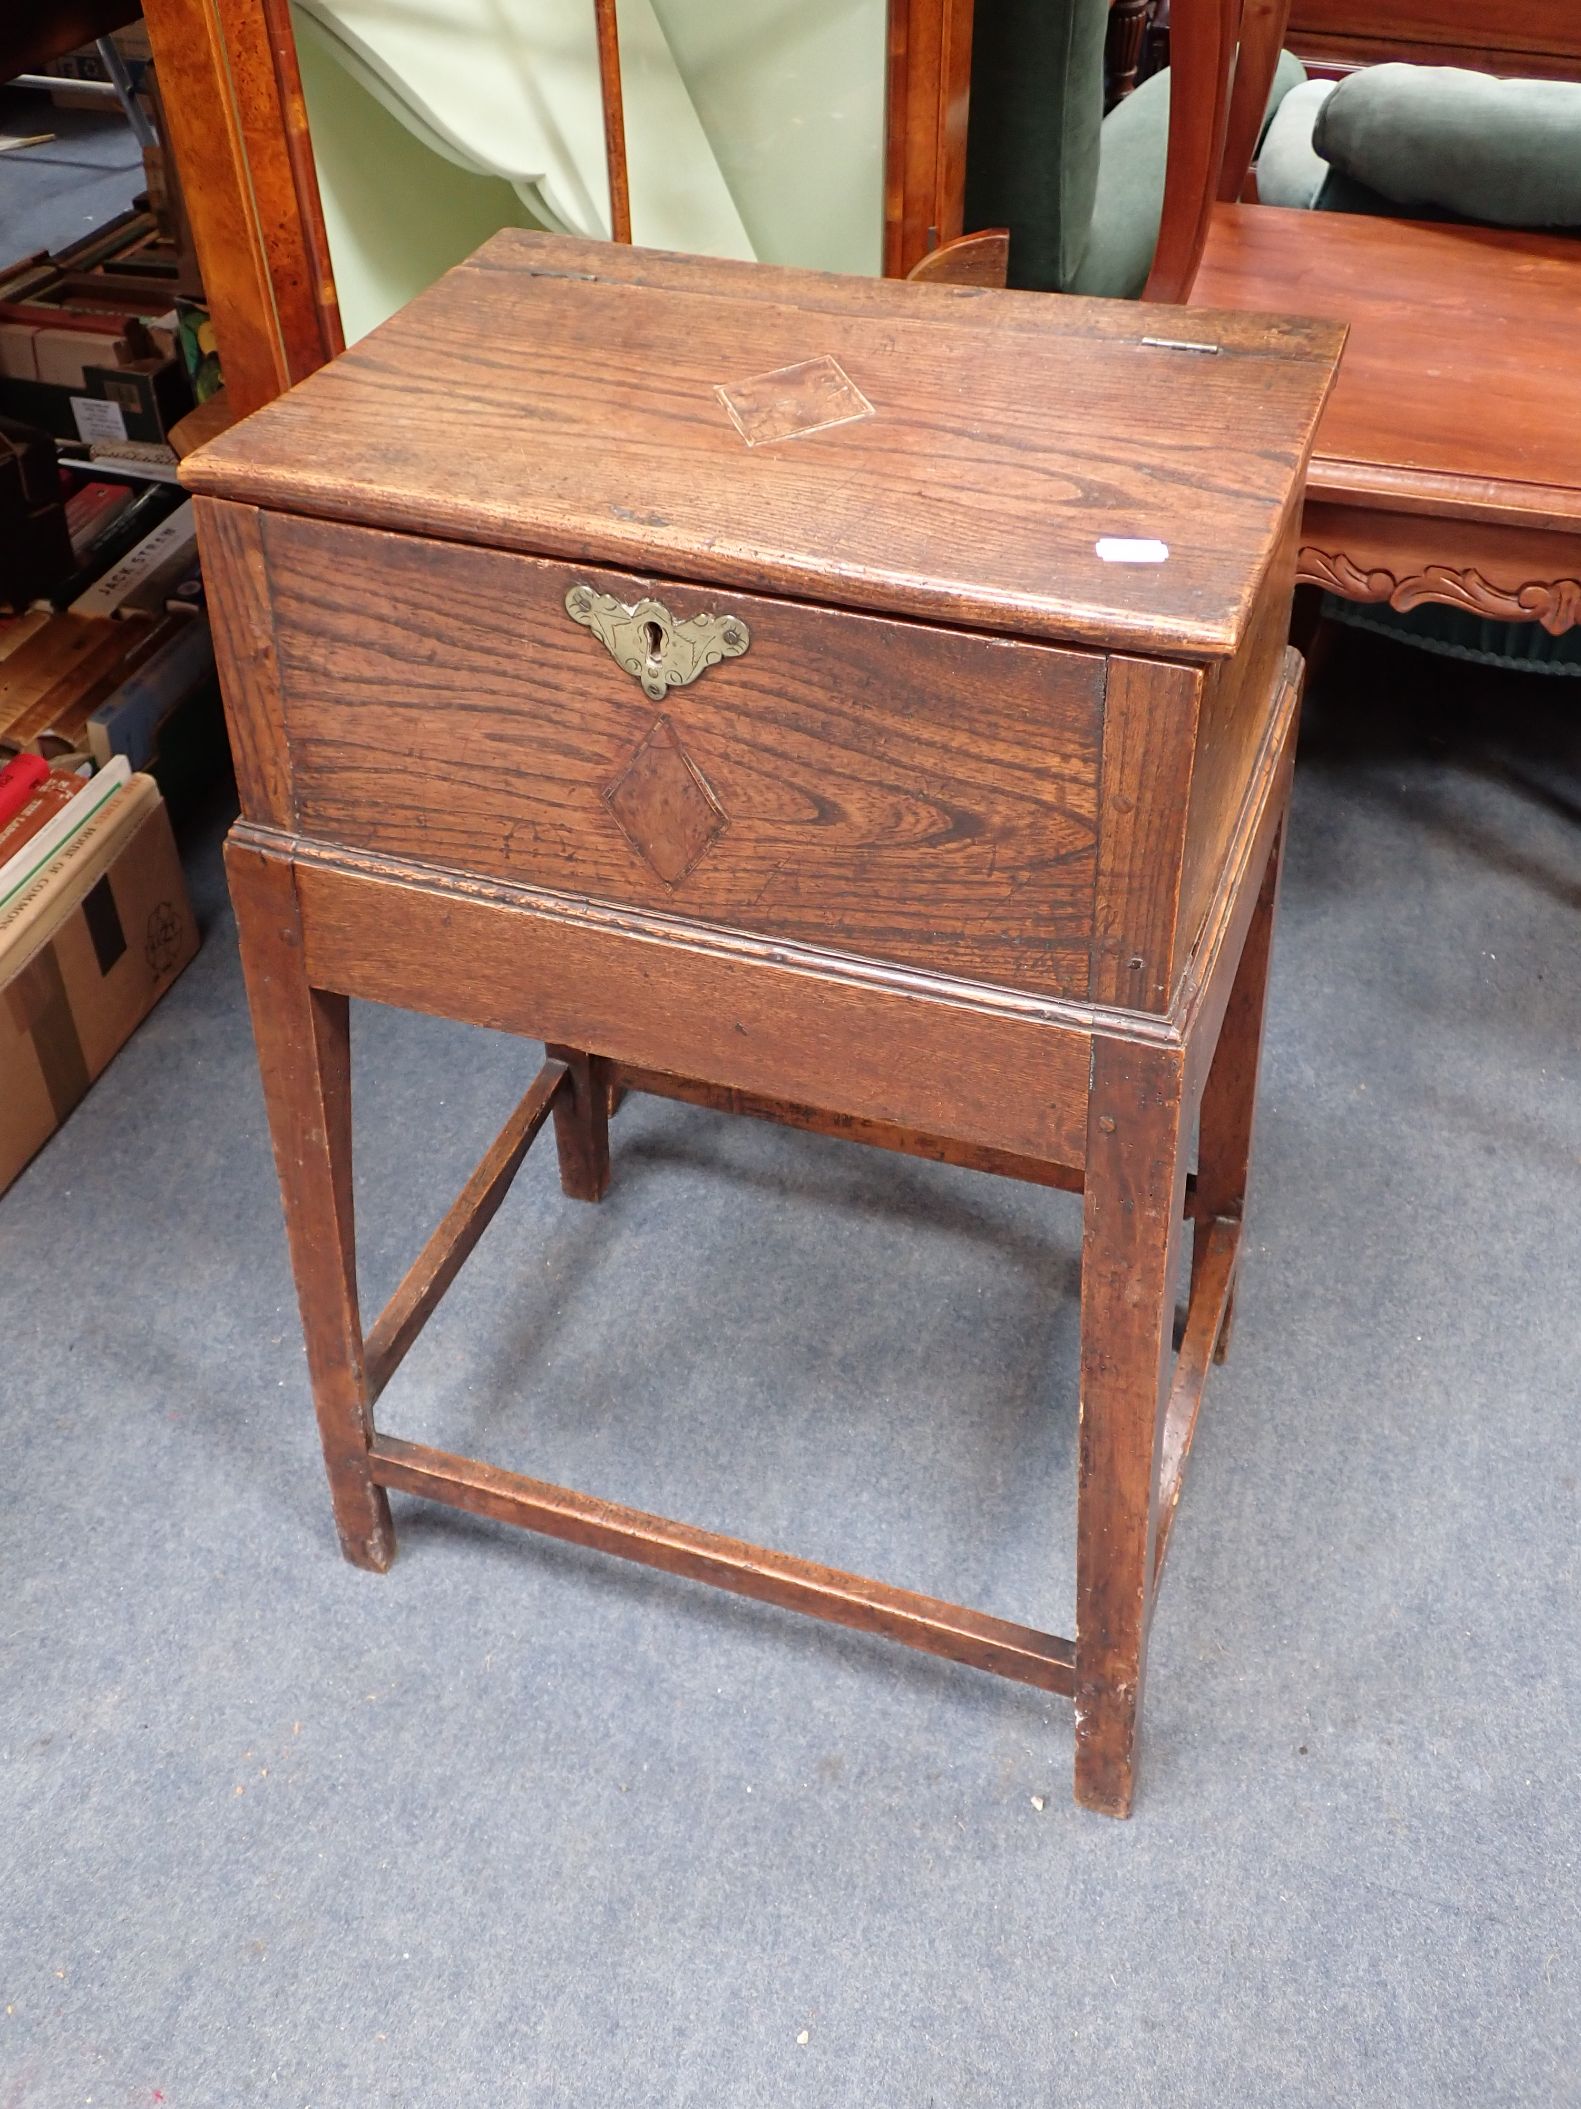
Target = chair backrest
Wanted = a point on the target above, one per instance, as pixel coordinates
(1262, 36)
(1222, 56)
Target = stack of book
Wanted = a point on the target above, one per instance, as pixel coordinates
(103, 642)
(101, 662)
(95, 924)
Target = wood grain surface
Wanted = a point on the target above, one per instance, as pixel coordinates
(886, 789)
(980, 886)
(929, 82)
(241, 618)
(1149, 733)
(1459, 376)
(1136, 1175)
(559, 397)
(773, 1019)
(1241, 701)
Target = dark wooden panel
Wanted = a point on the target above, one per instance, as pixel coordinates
(1439, 32)
(900, 792)
(33, 32)
(1211, 964)
(747, 1013)
(560, 398)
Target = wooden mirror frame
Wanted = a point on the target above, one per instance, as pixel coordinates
(238, 126)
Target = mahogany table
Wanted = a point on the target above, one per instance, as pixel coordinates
(1447, 465)
(816, 698)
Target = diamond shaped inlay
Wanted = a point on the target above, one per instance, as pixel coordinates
(664, 807)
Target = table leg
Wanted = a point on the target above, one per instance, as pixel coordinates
(1135, 1192)
(581, 1125)
(1229, 1098)
(304, 1053)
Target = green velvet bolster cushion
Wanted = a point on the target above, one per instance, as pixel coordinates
(1505, 153)
(1291, 171)
(1130, 197)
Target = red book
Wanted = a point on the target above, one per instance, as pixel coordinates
(50, 797)
(90, 511)
(19, 779)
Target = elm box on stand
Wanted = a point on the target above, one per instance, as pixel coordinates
(858, 705)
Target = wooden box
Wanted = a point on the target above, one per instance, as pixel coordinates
(859, 703)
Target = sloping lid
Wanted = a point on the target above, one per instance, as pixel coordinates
(1016, 462)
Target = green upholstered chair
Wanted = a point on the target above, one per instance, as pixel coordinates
(1083, 195)
(1436, 143)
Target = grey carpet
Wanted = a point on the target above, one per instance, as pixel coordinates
(516, 1824)
(54, 194)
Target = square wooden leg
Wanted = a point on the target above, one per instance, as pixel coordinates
(1229, 1097)
(304, 1051)
(1135, 1192)
(581, 1124)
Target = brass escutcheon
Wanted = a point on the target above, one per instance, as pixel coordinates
(649, 642)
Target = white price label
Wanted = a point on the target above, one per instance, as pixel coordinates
(1114, 549)
(96, 419)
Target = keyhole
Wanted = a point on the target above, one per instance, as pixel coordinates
(653, 638)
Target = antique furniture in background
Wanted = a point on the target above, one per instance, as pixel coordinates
(1534, 39)
(1447, 468)
(851, 753)
(1448, 463)
(1130, 22)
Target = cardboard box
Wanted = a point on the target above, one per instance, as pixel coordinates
(83, 959)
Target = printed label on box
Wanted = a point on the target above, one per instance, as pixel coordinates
(96, 420)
